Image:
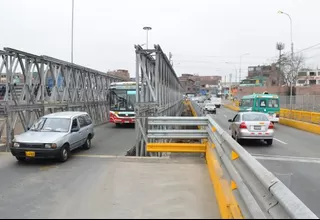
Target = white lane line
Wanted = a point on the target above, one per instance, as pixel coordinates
(287, 158)
(225, 116)
(282, 142)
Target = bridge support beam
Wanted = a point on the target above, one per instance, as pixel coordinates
(160, 93)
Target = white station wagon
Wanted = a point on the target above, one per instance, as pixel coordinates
(54, 136)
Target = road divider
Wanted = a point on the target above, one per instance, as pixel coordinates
(312, 128)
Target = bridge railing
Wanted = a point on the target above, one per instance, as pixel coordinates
(244, 187)
(160, 93)
(73, 87)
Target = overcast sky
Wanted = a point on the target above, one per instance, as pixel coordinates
(202, 35)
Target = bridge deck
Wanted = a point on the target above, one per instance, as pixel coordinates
(97, 186)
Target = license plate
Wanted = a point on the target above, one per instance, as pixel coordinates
(30, 154)
(257, 127)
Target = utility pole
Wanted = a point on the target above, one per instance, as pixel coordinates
(72, 20)
(292, 63)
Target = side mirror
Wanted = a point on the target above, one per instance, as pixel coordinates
(75, 129)
(28, 128)
(230, 120)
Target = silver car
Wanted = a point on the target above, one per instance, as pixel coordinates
(252, 125)
(54, 136)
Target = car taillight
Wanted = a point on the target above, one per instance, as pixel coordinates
(271, 125)
(243, 125)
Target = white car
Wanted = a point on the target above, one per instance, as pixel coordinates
(54, 136)
(210, 108)
(251, 126)
(216, 101)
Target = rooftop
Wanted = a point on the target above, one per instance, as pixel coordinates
(64, 114)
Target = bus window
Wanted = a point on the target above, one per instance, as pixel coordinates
(263, 103)
(273, 103)
(257, 103)
(246, 103)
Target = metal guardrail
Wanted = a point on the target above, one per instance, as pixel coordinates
(258, 192)
(245, 182)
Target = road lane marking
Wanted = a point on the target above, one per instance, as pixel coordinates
(113, 156)
(287, 158)
(282, 142)
(225, 116)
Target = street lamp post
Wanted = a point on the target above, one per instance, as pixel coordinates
(291, 81)
(235, 68)
(72, 19)
(147, 29)
(241, 64)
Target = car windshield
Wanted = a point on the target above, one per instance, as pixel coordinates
(52, 124)
(254, 117)
(210, 105)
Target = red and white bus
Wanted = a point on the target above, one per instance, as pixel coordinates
(122, 102)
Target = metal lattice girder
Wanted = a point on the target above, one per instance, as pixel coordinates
(73, 87)
(159, 94)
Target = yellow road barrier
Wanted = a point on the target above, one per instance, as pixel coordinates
(177, 147)
(305, 116)
(228, 206)
(232, 107)
(313, 128)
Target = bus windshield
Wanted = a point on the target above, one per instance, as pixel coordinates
(122, 100)
(246, 103)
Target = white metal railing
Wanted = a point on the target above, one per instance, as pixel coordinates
(259, 193)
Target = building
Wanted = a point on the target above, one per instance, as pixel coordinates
(188, 84)
(199, 84)
(269, 72)
(307, 77)
(124, 74)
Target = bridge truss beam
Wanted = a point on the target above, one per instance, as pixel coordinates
(73, 87)
(160, 93)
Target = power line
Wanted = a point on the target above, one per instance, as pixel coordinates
(318, 44)
(212, 56)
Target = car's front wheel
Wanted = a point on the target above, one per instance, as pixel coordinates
(87, 145)
(64, 153)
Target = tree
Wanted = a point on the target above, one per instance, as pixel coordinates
(290, 66)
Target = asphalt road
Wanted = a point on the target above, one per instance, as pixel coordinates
(102, 183)
(105, 187)
(294, 158)
(112, 140)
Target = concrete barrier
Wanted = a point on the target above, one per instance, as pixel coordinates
(312, 128)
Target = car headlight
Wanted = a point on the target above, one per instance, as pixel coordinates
(15, 144)
(50, 146)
